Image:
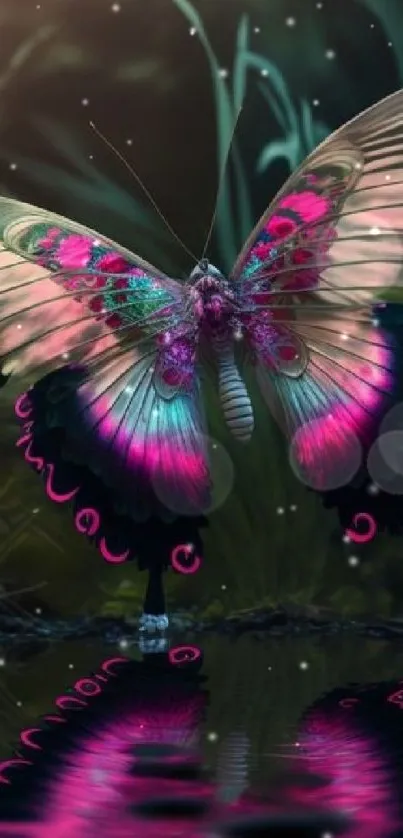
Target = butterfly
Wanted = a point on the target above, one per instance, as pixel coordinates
(298, 308)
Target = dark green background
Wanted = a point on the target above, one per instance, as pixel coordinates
(148, 80)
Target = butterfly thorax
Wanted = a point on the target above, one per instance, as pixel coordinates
(212, 299)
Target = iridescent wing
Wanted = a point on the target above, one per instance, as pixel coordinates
(307, 281)
(68, 295)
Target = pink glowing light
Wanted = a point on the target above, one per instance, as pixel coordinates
(55, 496)
(87, 521)
(38, 462)
(177, 563)
(86, 686)
(10, 763)
(184, 654)
(362, 538)
(23, 439)
(68, 702)
(106, 666)
(26, 738)
(23, 411)
(112, 558)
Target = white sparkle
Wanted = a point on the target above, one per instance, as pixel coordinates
(38, 610)
(372, 26)
(212, 737)
(129, 391)
(374, 231)
(71, 665)
(123, 644)
(223, 73)
(316, 102)
(290, 21)
(373, 489)
(330, 54)
(65, 356)
(192, 31)
(280, 510)
(346, 539)
(390, 43)
(223, 587)
(35, 511)
(19, 326)
(116, 7)
(319, 5)
(353, 561)
(85, 102)
(269, 668)
(2, 662)
(264, 73)
(155, 412)
(256, 29)
(344, 336)
(387, 177)
(375, 322)
(129, 141)
(13, 167)
(304, 665)
(19, 703)
(293, 507)
(358, 166)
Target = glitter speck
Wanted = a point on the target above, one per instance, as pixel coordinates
(374, 231)
(353, 561)
(38, 610)
(280, 510)
(85, 102)
(264, 73)
(71, 665)
(129, 141)
(2, 662)
(330, 54)
(13, 166)
(212, 737)
(303, 665)
(256, 29)
(123, 644)
(316, 102)
(116, 7)
(192, 31)
(319, 5)
(290, 21)
(223, 73)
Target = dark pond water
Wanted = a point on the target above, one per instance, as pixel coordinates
(266, 718)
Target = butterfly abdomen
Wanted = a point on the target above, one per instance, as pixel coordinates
(235, 401)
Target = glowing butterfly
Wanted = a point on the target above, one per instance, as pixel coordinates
(297, 306)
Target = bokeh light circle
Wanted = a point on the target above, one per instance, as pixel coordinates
(379, 466)
(221, 480)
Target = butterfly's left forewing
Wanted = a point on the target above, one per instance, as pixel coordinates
(68, 294)
(307, 282)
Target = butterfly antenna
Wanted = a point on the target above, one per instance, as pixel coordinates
(221, 181)
(148, 195)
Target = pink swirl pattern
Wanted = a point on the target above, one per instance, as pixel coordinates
(363, 537)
